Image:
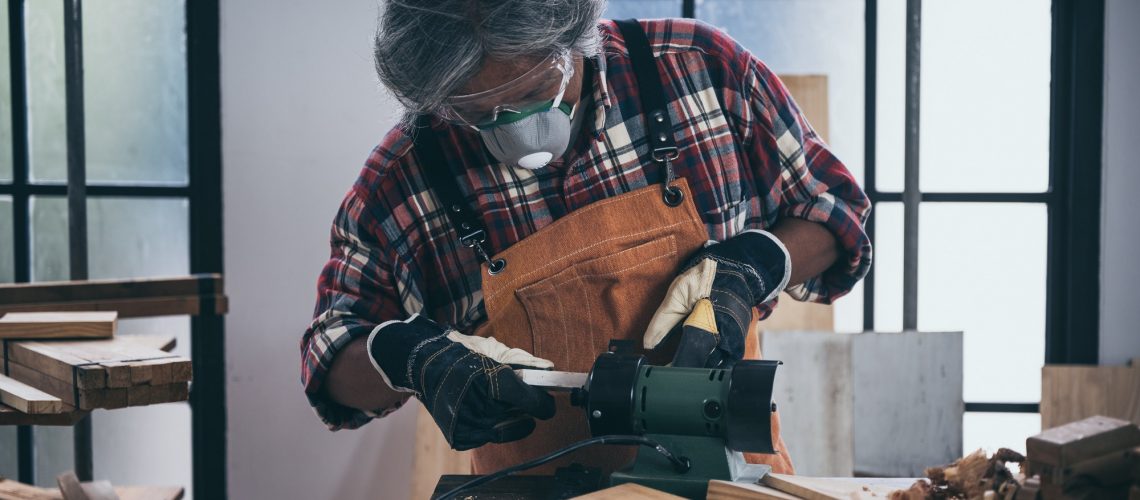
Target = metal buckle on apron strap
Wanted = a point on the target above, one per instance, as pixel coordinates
(474, 240)
(664, 152)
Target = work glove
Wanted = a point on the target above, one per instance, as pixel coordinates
(716, 291)
(465, 382)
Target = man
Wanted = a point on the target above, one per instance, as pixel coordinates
(555, 189)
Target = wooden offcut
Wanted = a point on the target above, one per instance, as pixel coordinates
(628, 491)
(727, 490)
(58, 325)
(26, 398)
(1082, 440)
(834, 488)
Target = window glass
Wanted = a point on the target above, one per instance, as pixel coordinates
(888, 267)
(5, 98)
(890, 95)
(807, 38)
(134, 56)
(43, 26)
(126, 237)
(982, 271)
(49, 238)
(643, 9)
(985, 95)
(991, 431)
(7, 258)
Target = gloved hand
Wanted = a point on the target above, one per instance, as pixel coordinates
(465, 382)
(734, 276)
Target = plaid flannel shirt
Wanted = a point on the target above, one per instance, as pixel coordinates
(749, 155)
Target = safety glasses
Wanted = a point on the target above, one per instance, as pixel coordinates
(539, 89)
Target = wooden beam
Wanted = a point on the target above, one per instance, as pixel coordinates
(68, 417)
(106, 290)
(26, 398)
(58, 325)
(193, 305)
(1072, 392)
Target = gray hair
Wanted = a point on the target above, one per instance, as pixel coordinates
(426, 49)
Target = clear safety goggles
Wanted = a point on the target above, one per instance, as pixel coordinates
(539, 89)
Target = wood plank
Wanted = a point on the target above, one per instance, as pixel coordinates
(58, 358)
(192, 305)
(13, 490)
(150, 492)
(58, 325)
(56, 365)
(164, 343)
(26, 398)
(70, 416)
(727, 490)
(88, 290)
(629, 491)
(835, 488)
(157, 394)
(1074, 442)
(432, 456)
(1073, 392)
(89, 399)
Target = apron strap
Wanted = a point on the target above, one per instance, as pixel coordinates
(659, 127)
(472, 232)
(659, 130)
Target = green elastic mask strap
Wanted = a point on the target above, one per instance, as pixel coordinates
(506, 118)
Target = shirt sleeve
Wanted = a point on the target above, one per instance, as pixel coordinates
(356, 291)
(804, 179)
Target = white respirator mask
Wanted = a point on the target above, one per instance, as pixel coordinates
(535, 127)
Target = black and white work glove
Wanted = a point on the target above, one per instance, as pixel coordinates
(714, 296)
(465, 382)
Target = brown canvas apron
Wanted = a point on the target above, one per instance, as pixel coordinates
(594, 275)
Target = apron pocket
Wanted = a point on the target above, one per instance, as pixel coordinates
(574, 314)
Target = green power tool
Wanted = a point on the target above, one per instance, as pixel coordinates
(706, 416)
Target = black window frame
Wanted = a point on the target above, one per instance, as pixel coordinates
(1072, 199)
(203, 192)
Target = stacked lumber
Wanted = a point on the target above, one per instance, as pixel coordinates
(107, 373)
(1098, 457)
(55, 366)
(12, 490)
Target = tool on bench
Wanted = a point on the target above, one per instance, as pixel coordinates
(707, 417)
(694, 422)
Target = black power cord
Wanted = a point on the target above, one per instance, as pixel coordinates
(681, 464)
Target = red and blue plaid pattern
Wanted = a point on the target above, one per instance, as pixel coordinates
(749, 156)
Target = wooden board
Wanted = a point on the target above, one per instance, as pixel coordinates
(433, 457)
(26, 398)
(1082, 440)
(58, 325)
(165, 343)
(727, 490)
(192, 305)
(84, 399)
(12, 490)
(73, 291)
(835, 488)
(1073, 392)
(629, 491)
(68, 417)
(115, 363)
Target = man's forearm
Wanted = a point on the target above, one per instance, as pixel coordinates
(353, 381)
(811, 245)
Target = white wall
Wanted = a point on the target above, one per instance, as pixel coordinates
(301, 111)
(1120, 270)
